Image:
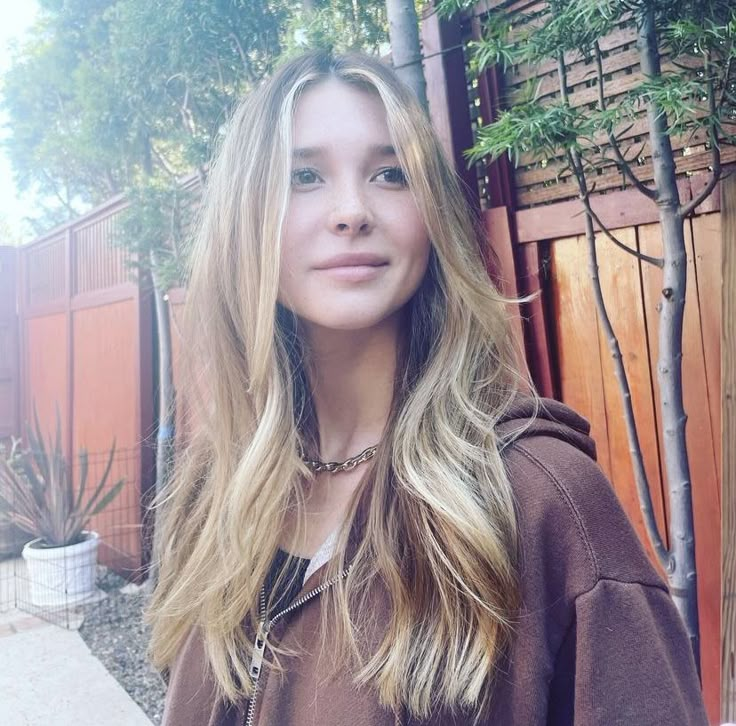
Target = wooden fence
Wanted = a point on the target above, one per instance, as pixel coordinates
(86, 345)
(535, 228)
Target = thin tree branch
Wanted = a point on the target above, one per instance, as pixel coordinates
(687, 209)
(623, 165)
(637, 458)
(111, 185)
(575, 162)
(241, 53)
(220, 76)
(724, 90)
(186, 114)
(173, 232)
(656, 261)
(68, 206)
(162, 162)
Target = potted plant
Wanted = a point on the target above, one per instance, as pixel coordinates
(37, 494)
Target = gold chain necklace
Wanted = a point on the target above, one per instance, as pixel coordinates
(334, 466)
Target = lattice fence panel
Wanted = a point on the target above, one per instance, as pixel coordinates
(98, 264)
(45, 276)
(542, 181)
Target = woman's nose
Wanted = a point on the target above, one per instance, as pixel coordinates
(350, 214)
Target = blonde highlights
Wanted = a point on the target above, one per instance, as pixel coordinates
(438, 524)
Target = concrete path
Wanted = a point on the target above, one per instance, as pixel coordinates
(49, 677)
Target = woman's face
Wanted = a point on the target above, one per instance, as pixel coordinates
(348, 200)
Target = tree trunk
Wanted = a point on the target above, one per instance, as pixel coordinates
(166, 404)
(406, 53)
(681, 572)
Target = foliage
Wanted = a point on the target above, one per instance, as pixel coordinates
(37, 493)
(543, 130)
(160, 217)
(698, 38)
(49, 144)
(130, 96)
(337, 25)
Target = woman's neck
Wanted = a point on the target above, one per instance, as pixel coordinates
(352, 380)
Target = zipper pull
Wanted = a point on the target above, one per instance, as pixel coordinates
(256, 662)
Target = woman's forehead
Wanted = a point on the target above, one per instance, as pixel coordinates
(334, 110)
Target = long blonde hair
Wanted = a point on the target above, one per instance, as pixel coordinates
(440, 533)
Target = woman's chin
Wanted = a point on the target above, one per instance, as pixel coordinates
(348, 322)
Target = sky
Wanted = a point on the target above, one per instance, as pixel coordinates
(15, 18)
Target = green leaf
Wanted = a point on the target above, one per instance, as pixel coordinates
(83, 467)
(448, 8)
(543, 130)
(114, 491)
(86, 512)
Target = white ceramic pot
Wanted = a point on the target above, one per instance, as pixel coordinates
(62, 575)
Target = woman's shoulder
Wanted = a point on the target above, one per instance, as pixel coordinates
(571, 523)
(589, 591)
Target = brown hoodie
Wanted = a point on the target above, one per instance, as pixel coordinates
(599, 641)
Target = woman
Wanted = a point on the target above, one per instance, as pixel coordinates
(375, 520)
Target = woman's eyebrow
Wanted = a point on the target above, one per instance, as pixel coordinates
(311, 152)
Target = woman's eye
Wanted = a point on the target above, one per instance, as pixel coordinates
(394, 175)
(304, 176)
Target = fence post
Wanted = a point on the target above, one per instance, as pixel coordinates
(728, 449)
(69, 320)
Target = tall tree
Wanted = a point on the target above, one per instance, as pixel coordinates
(406, 49)
(694, 93)
(50, 148)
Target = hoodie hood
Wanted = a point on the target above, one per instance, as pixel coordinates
(546, 417)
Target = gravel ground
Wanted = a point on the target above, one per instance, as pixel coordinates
(115, 633)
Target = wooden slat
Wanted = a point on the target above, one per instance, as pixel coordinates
(728, 437)
(613, 179)
(525, 6)
(626, 132)
(576, 335)
(44, 266)
(614, 40)
(621, 83)
(706, 240)
(582, 97)
(703, 470)
(616, 209)
(500, 257)
(99, 265)
(10, 379)
(501, 265)
(526, 177)
(447, 87)
(580, 73)
(532, 280)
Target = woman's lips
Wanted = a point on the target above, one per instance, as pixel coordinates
(354, 273)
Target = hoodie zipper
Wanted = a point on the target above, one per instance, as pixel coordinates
(264, 628)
